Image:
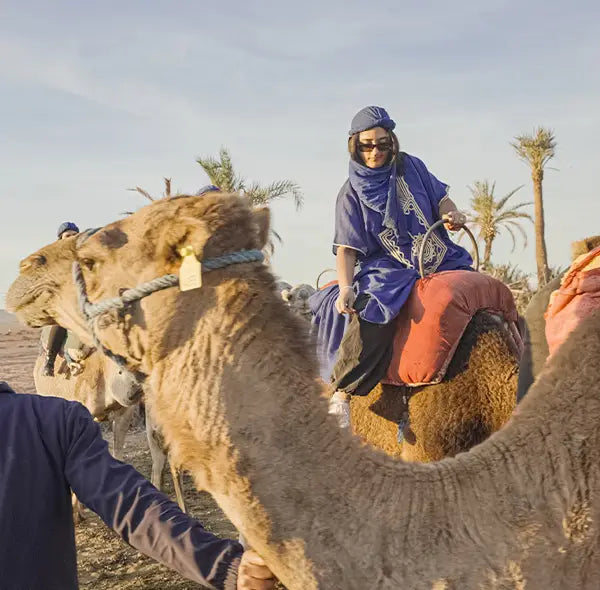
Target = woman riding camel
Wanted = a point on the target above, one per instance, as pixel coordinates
(383, 211)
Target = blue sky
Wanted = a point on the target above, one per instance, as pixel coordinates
(98, 97)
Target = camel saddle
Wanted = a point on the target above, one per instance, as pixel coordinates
(434, 318)
(577, 296)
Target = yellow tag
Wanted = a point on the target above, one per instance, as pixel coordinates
(190, 273)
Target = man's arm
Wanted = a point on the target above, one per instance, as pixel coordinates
(144, 517)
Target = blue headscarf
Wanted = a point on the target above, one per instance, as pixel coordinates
(207, 189)
(375, 187)
(67, 226)
(370, 117)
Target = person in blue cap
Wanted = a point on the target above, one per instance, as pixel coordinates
(67, 230)
(208, 188)
(383, 211)
(57, 335)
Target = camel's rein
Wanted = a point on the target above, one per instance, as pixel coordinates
(91, 310)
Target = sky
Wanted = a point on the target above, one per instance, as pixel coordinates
(98, 97)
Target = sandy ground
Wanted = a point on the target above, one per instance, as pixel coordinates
(105, 561)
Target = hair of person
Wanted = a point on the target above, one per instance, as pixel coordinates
(355, 153)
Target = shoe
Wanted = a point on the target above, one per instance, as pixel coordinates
(340, 406)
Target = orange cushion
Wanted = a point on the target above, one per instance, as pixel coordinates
(577, 296)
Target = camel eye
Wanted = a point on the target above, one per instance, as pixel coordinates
(88, 263)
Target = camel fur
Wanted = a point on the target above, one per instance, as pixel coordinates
(234, 387)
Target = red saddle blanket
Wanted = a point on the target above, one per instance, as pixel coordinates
(577, 296)
(434, 318)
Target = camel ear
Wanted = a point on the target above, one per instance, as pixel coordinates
(262, 218)
(188, 231)
(286, 295)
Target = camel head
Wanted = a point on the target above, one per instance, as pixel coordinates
(297, 299)
(44, 293)
(147, 245)
(584, 246)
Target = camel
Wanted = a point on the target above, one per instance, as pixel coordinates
(536, 350)
(476, 397)
(297, 298)
(107, 391)
(234, 388)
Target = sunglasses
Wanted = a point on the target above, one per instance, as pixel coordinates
(384, 146)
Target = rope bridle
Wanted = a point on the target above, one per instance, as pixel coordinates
(92, 310)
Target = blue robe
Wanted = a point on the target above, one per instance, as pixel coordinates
(385, 225)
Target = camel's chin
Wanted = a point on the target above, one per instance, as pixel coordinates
(34, 320)
(31, 310)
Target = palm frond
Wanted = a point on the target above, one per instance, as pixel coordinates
(536, 149)
(500, 204)
(141, 191)
(519, 228)
(490, 216)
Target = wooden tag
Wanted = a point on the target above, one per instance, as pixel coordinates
(190, 273)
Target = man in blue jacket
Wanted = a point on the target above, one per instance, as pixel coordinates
(49, 446)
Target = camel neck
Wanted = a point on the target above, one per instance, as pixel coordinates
(270, 454)
(252, 425)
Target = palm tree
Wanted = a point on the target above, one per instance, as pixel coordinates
(221, 173)
(537, 150)
(491, 216)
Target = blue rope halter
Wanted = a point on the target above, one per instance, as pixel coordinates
(92, 310)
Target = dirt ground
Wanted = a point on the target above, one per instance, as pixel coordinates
(105, 561)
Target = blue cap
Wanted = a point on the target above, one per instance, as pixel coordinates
(370, 117)
(207, 189)
(67, 226)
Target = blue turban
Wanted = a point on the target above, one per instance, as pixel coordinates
(67, 226)
(370, 117)
(207, 189)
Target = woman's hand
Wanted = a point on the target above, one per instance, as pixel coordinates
(345, 300)
(253, 573)
(454, 220)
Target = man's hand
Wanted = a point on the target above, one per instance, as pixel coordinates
(254, 574)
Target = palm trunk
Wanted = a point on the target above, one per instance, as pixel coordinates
(487, 252)
(541, 254)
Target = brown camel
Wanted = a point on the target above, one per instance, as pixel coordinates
(107, 391)
(476, 397)
(234, 387)
(99, 387)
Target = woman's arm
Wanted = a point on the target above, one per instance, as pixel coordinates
(456, 219)
(345, 259)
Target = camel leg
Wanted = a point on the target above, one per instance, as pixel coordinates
(78, 509)
(178, 485)
(121, 424)
(157, 452)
